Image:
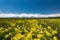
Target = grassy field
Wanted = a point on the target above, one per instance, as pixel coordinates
(29, 29)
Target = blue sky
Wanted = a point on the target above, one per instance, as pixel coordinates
(30, 6)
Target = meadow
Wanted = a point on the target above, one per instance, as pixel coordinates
(29, 29)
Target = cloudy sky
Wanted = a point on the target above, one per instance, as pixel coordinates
(30, 6)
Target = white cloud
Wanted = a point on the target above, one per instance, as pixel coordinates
(4, 15)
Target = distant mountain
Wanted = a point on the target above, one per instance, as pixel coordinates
(23, 15)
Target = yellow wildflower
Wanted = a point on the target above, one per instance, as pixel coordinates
(29, 35)
(54, 38)
(6, 35)
(17, 30)
(10, 33)
(40, 35)
(36, 39)
(9, 27)
(49, 27)
(19, 21)
(33, 29)
(40, 25)
(1, 28)
(54, 32)
(12, 24)
(48, 34)
(6, 29)
(17, 36)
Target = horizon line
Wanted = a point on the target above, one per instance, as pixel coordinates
(21, 15)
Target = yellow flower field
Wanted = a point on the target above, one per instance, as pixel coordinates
(29, 29)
